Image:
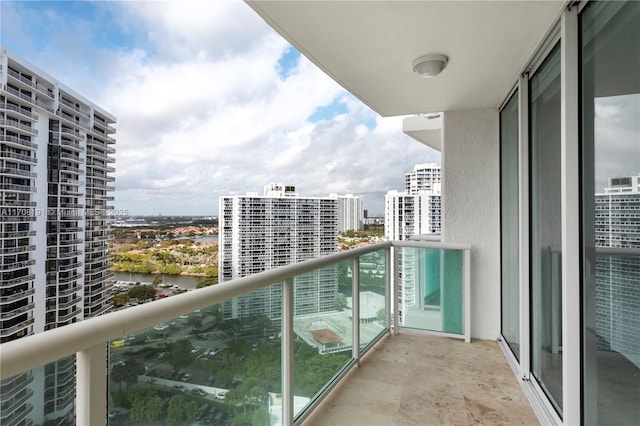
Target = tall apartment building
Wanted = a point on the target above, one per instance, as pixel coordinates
(262, 232)
(350, 212)
(407, 215)
(55, 180)
(617, 219)
(422, 178)
(416, 211)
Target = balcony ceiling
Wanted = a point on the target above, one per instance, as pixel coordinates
(368, 47)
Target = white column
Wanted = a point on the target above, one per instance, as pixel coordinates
(91, 386)
(570, 172)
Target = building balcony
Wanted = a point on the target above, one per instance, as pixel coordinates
(17, 295)
(103, 126)
(12, 171)
(15, 124)
(8, 314)
(7, 155)
(338, 339)
(74, 312)
(17, 142)
(5, 332)
(417, 379)
(18, 94)
(75, 108)
(22, 113)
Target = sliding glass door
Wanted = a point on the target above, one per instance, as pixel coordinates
(610, 43)
(546, 230)
(509, 218)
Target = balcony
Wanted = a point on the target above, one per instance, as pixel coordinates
(16, 142)
(337, 339)
(417, 379)
(24, 113)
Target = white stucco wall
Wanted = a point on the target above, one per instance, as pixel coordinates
(471, 207)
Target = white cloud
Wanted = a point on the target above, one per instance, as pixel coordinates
(202, 111)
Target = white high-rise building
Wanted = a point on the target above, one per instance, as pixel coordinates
(617, 215)
(422, 178)
(350, 212)
(56, 176)
(416, 211)
(262, 232)
(407, 215)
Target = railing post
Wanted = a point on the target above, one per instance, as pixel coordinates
(287, 351)
(91, 385)
(355, 309)
(467, 295)
(396, 290)
(388, 291)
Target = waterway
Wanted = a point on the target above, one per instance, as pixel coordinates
(184, 281)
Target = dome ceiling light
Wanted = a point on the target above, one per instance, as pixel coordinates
(429, 65)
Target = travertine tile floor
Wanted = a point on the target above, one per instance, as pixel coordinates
(414, 379)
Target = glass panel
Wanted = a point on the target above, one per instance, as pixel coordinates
(546, 313)
(432, 289)
(373, 301)
(509, 220)
(324, 343)
(43, 395)
(201, 368)
(610, 34)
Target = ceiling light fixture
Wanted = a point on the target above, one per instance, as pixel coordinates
(429, 65)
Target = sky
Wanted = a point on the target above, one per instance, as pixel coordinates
(210, 101)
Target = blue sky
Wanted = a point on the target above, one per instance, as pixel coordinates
(210, 101)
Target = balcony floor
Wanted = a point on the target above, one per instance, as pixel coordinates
(413, 379)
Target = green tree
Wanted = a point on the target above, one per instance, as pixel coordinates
(146, 405)
(312, 374)
(171, 269)
(181, 409)
(264, 364)
(127, 372)
(143, 292)
(119, 299)
(179, 356)
(207, 282)
(249, 392)
(211, 272)
(194, 322)
(163, 257)
(340, 301)
(157, 280)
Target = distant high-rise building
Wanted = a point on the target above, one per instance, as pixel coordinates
(617, 214)
(56, 175)
(417, 211)
(407, 215)
(262, 232)
(350, 212)
(422, 179)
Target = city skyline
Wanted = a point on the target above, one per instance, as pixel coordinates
(212, 108)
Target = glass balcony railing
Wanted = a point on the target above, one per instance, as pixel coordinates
(261, 350)
(431, 289)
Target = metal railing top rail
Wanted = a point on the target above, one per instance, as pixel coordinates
(39, 349)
